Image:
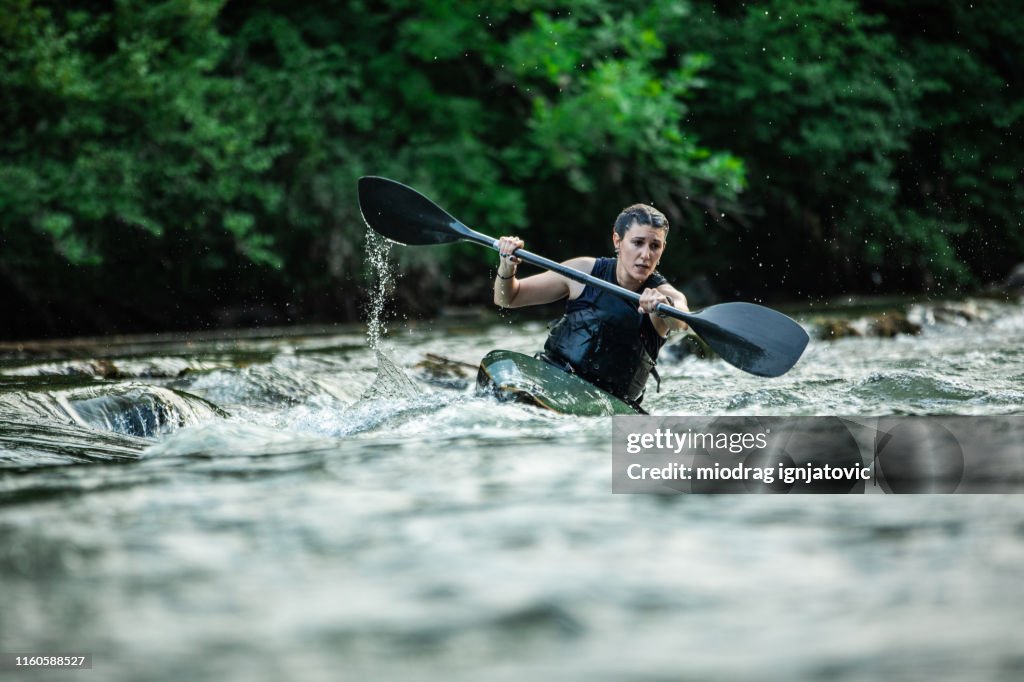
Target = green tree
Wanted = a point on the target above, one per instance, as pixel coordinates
(864, 167)
(166, 160)
(185, 162)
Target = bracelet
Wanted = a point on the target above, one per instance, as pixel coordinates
(512, 276)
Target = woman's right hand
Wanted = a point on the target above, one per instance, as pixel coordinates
(507, 262)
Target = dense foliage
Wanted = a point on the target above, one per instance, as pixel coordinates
(193, 162)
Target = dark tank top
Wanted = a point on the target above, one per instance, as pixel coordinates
(605, 340)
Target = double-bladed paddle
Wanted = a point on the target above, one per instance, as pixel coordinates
(751, 337)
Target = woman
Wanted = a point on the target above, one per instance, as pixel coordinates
(602, 337)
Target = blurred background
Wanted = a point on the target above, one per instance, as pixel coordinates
(193, 164)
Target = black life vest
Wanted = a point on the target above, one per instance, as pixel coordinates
(605, 340)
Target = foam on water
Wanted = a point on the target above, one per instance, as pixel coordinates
(233, 439)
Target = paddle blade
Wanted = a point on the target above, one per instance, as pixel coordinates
(403, 215)
(751, 337)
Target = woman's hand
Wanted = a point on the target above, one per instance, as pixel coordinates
(508, 263)
(650, 299)
(670, 296)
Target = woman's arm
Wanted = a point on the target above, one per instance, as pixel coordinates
(510, 292)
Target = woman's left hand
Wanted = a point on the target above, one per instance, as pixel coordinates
(650, 299)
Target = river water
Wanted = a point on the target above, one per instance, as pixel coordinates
(299, 507)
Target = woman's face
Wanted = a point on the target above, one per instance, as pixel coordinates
(640, 249)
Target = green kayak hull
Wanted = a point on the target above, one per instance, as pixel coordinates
(514, 376)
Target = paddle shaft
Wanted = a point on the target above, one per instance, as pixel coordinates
(581, 277)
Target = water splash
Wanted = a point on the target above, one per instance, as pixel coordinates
(378, 250)
(391, 382)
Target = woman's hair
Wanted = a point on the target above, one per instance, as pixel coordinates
(643, 215)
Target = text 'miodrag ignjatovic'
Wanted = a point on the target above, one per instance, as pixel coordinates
(839, 455)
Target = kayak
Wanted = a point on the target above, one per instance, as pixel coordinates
(516, 377)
